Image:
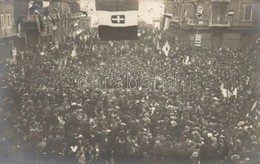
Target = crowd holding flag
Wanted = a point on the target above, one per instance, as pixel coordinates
(166, 48)
(117, 19)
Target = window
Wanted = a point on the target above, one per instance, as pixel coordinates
(218, 12)
(2, 21)
(248, 12)
(8, 16)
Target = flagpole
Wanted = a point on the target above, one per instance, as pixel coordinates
(239, 5)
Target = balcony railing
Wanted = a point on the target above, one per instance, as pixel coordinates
(220, 0)
(216, 23)
(177, 19)
(76, 15)
(232, 23)
(28, 18)
(243, 23)
(196, 22)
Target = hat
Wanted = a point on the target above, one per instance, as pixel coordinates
(235, 157)
(174, 123)
(195, 154)
(240, 123)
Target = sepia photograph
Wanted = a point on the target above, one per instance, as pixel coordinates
(129, 81)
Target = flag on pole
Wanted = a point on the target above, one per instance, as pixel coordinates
(166, 48)
(158, 45)
(187, 61)
(254, 106)
(117, 19)
(230, 13)
(74, 52)
(235, 92)
(225, 92)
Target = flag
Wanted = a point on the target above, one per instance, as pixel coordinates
(117, 19)
(167, 18)
(158, 45)
(187, 61)
(166, 48)
(225, 92)
(74, 52)
(230, 13)
(254, 106)
(57, 13)
(235, 92)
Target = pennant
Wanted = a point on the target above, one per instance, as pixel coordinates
(117, 19)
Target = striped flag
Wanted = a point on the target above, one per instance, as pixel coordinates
(117, 19)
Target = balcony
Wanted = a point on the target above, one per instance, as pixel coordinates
(8, 32)
(226, 1)
(76, 15)
(196, 22)
(243, 23)
(216, 23)
(177, 19)
(192, 22)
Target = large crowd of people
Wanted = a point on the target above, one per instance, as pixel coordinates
(151, 100)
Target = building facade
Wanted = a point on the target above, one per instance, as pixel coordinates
(216, 23)
(61, 22)
(7, 29)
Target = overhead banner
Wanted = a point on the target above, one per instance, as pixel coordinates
(117, 19)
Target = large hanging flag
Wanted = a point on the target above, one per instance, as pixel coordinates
(117, 19)
(166, 19)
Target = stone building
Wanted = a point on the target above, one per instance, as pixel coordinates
(215, 23)
(8, 31)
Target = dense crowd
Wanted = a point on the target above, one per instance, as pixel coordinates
(139, 101)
